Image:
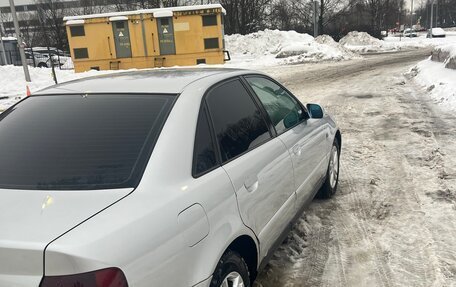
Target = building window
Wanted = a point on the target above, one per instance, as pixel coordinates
(211, 43)
(81, 53)
(77, 31)
(210, 20)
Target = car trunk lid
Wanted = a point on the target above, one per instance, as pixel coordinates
(29, 220)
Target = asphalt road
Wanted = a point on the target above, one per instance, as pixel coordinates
(393, 220)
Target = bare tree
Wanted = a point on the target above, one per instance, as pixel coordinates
(50, 15)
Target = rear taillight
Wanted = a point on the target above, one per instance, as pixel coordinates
(111, 277)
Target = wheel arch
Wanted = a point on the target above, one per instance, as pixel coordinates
(338, 137)
(247, 248)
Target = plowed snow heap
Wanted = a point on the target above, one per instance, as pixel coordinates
(288, 47)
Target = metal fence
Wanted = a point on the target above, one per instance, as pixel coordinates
(12, 58)
(47, 59)
(40, 59)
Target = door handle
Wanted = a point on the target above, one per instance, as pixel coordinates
(297, 150)
(252, 187)
(251, 184)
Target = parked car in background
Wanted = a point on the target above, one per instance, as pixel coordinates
(410, 33)
(179, 177)
(37, 60)
(59, 58)
(436, 33)
(52, 50)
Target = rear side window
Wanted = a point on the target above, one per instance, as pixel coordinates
(238, 123)
(204, 154)
(79, 142)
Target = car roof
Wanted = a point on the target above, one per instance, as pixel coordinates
(156, 81)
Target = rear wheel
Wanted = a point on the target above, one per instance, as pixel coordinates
(231, 271)
(332, 174)
(42, 65)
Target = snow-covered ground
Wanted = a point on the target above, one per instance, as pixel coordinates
(393, 220)
(13, 86)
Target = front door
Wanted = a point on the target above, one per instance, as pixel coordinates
(122, 39)
(166, 36)
(258, 165)
(304, 138)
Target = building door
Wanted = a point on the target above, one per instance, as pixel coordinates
(166, 36)
(122, 39)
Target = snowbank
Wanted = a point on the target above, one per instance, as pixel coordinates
(272, 47)
(362, 42)
(445, 54)
(356, 38)
(439, 82)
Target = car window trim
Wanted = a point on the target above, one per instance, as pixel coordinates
(239, 78)
(289, 93)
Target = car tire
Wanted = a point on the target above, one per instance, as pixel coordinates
(42, 65)
(329, 187)
(231, 271)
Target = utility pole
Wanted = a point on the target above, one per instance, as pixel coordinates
(437, 14)
(432, 18)
(315, 18)
(411, 18)
(1, 40)
(19, 41)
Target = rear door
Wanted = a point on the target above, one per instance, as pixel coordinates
(258, 165)
(304, 138)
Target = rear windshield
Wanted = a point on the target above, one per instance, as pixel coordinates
(76, 142)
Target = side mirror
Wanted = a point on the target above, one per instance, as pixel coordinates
(291, 120)
(315, 111)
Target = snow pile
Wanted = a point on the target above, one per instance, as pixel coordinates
(439, 82)
(356, 38)
(362, 42)
(281, 47)
(328, 40)
(445, 54)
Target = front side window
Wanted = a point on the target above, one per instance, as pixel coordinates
(79, 142)
(283, 110)
(238, 123)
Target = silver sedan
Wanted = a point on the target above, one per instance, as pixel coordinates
(184, 177)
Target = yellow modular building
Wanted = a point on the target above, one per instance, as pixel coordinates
(164, 37)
